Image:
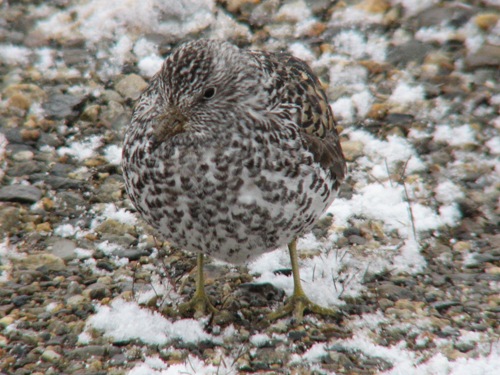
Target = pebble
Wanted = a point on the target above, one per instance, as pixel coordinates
(20, 193)
(487, 56)
(352, 150)
(131, 86)
(61, 106)
(63, 248)
(394, 292)
(35, 261)
(50, 355)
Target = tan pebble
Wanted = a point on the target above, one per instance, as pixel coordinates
(23, 156)
(486, 21)
(30, 134)
(95, 366)
(316, 29)
(95, 162)
(378, 111)
(19, 101)
(43, 227)
(47, 203)
(31, 91)
(236, 5)
(131, 86)
(493, 270)
(6, 321)
(91, 113)
(50, 355)
(462, 246)
(374, 6)
(352, 149)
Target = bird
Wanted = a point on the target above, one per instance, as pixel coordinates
(231, 153)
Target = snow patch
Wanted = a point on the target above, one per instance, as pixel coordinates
(123, 321)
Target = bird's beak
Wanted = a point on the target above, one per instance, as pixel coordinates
(169, 124)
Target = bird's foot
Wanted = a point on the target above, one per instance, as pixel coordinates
(200, 304)
(297, 305)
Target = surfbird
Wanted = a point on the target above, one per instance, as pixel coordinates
(232, 153)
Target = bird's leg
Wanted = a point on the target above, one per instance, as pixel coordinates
(200, 302)
(299, 302)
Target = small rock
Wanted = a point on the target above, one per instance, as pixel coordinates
(352, 149)
(411, 51)
(97, 291)
(34, 261)
(357, 240)
(23, 155)
(50, 355)
(76, 300)
(374, 6)
(486, 56)
(87, 351)
(131, 86)
(64, 249)
(131, 254)
(443, 305)
(60, 106)
(486, 21)
(91, 113)
(394, 292)
(20, 193)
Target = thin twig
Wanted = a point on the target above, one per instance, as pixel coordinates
(407, 197)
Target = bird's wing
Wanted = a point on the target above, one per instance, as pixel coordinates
(295, 91)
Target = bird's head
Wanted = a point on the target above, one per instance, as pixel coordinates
(203, 85)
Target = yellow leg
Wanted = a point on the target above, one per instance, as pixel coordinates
(298, 302)
(200, 303)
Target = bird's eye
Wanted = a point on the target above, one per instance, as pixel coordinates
(209, 93)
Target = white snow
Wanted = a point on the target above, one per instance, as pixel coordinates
(65, 230)
(82, 150)
(494, 145)
(343, 109)
(14, 55)
(192, 366)
(454, 136)
(448, 192)
(355, 44)
(113, 154)
(150, 65)
(486, 364)
(406, 94)
(3, 145)
(122, 320)
(294, 11)
(121, 215)
(260, 339)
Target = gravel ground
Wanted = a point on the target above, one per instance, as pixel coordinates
(66, 97)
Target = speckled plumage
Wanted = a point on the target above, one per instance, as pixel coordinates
(230, 152)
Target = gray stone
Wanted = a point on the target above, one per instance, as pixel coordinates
(24, 168)
(63, 248)
(487, 55)
(87, 351)
(453, 14)
(56, 182)
(131, 86)
(356, 240)
(131, 254)
(412, 50)
(394, 292)
(60, 106)
(20, 193)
